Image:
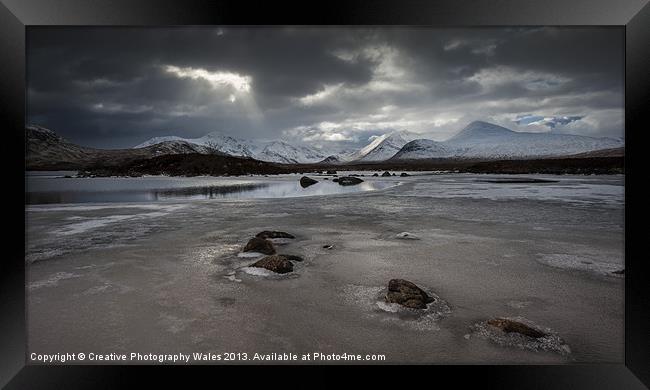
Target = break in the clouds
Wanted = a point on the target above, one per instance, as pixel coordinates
(116, 87)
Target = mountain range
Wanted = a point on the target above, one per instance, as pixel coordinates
(273, 151)
(46, 150)
(478, 140)
(482, 140)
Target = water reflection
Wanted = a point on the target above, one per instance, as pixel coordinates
(224, 191)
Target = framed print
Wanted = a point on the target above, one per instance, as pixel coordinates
(435, 184)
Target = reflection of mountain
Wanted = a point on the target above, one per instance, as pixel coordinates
(66, 191)
(209, 192)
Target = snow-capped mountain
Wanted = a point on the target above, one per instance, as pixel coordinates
(486, 140)
(477, 140)
(212, 141)
(423, 148)
(479, 131)
(274, 151)
(331, 160)
(283, 152)
(381, 148)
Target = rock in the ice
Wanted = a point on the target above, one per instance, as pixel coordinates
(335, 180)
(349, 181)
(375, 174)
(619, 272)
(407, 236)
(260, 245)
(307, 181)
(407, 294)
(385, 174)
(276, 263)
(327, 246)
(273, 234)
(404, 174)
(331, 172)
(511, 326)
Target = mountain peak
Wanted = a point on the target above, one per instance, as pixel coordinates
(480, 129)
(383, 147)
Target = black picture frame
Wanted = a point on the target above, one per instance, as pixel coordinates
(634, 15)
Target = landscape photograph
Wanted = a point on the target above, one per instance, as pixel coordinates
(325, 195)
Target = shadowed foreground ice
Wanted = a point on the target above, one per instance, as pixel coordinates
(166, 277)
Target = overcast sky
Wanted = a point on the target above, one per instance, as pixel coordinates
(117, 87)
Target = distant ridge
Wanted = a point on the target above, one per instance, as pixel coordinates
(489, 141)
(46, 150)
(479, 140)
(272, 151)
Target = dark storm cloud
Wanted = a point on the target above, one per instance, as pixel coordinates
(116, 87)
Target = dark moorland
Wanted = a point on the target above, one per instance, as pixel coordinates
(216, 165)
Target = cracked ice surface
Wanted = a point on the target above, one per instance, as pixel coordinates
(167, 277)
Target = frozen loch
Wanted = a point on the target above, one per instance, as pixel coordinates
(116, 273)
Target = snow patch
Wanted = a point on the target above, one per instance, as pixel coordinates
(407, 236)
(257, 271)
(95, 223)
(250, 254)
(53, 280)
(598, 264)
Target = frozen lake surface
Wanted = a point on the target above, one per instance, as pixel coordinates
(165, 277)
(62, 187)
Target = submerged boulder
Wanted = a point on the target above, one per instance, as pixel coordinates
(511, 326)
(273, 234)
(349, 181)
(407, 294)
(276, 263)
(260, 245)
(386, 173)
(307, 181)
